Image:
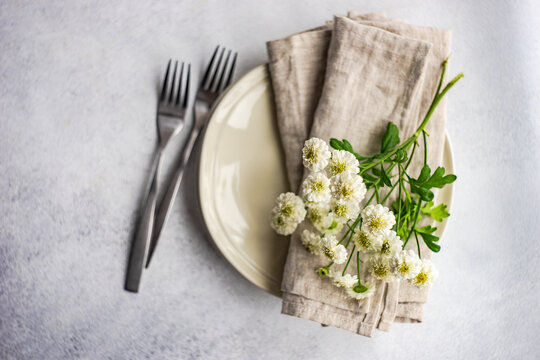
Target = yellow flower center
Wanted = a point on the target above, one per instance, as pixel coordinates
(341, 210)
(329, 253)
(311, 154)
(377, 223)
(381, 270)
(363, 240)
(315, 216)
(339, 167)
(318, 186)
(287, 210)
(403, 268)
(421, 278)
(345, 191)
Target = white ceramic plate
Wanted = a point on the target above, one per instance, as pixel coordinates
(241, 172)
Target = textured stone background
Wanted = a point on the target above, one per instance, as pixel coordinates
(77, 100)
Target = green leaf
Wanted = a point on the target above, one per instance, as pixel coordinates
(424, 174)
(438, 179)
(425, 194)
(438, 213)
(368, 178)
(428, 229)
(385, 178)
(336, 144)
(390, 137)
(430, 241)
(376, 172)
(347, 146)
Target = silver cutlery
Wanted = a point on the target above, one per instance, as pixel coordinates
(171, 113)
(215, 80)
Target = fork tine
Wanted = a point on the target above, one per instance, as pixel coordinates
(223, 71)
(209, 68)
(165, 80)
(186, 92)
(231, 71)
(173, 80)
(180, 85)
(216, 70)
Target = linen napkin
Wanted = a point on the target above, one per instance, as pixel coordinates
(348, 82)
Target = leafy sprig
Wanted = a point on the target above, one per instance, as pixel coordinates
(388, 170)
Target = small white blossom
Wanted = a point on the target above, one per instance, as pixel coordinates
(316, 188)
(377, 219)
(366, 242)
(347, 186)
(406, 265)
(315, 154)
(360, 292)
(342, 161)
(282, 225)
(333, 251)
(391, 244)
(290, 206)
(344, 210)
(379, 267)
(312, 242)
(344, 281)
(318, 214)
(288, 213)
(427, 275)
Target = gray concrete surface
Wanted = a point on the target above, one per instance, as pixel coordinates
(77, 101)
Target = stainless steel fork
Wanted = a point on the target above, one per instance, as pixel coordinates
(216, 79)
(171, 113)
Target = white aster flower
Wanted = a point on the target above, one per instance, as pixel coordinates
(290, 206)
(379, 267)
(316, 188)
(344, 210)
(318, 214)
(391, 244)
(282, 225)
(361, 292)
(315, 154)
(342, 161)
(312, 242)
(288, 213)
(333, 251)
(347, 186)
(377, 219)
(344, 281)
(427, 275)
(366, 242)
(406, 265)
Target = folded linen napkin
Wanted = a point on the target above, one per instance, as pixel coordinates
(347, 80)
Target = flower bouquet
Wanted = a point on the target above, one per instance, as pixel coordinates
(344, 228)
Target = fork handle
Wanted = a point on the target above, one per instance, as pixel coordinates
(141, 241)
(166, 205)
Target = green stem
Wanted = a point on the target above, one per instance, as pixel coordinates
(443, 65)
(351, 229)
(348, 261)
(417, 212)
(435, 102)
(390, 192)
(358, 267)
(425, 147)
(399, 198)
(417, 245)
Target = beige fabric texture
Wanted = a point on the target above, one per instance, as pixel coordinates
(347, 79)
